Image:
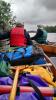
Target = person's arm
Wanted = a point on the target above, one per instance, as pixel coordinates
(29, 42)
(5, 35)
(39, 33)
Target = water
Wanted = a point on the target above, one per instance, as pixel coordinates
(51, 36)
(53, 60)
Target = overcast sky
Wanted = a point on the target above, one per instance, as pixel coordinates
(33, 12)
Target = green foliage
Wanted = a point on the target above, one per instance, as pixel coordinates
(50, 29)
(4, 68)
(5, 15)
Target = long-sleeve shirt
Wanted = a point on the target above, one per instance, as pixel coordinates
(29, 42)
(39, 33)
(6, 35)
(40, 36)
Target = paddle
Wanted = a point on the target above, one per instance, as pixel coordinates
(13, 91)
(36, 66)
(37, 91)
(14, 86)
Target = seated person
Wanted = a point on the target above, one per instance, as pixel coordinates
(18, 36)
(41, 36)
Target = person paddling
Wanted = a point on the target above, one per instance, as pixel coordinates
(18, 36)
(41, 36)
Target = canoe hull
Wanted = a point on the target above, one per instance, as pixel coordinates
(48, 48)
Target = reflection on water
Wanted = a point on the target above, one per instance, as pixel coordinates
(51, 37)
(53, 59)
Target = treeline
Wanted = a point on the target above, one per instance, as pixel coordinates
(51, 29)
(7, 20)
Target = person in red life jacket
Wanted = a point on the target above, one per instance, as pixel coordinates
(18, 36)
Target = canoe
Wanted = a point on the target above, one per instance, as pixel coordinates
(44, 88)
(4, 45)
(47, 48)
(38, 80)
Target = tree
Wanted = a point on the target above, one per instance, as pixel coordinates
(51, 29)
(6, 19)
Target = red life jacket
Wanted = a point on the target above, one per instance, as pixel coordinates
(17, 37)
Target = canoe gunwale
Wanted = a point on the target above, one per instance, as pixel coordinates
(48, 48)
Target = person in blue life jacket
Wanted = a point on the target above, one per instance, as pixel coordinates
(18, 36)
(41, 36)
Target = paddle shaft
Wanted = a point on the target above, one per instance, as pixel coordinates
(14, 87)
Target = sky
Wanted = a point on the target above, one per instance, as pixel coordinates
(34, 12)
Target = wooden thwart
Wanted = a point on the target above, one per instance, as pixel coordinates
(26, 66)
(18, 69)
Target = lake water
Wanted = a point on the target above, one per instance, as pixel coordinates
(51, 36)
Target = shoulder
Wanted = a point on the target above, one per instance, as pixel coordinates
(45, 31)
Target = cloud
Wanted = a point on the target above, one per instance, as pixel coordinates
(49, 4)
(33, 12)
